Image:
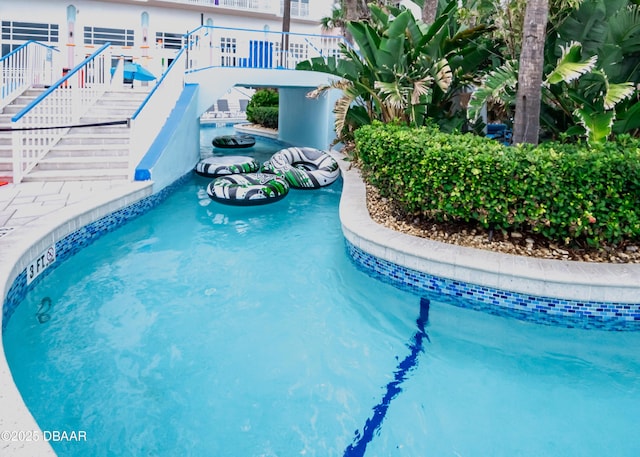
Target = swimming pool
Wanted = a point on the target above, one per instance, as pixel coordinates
(203, 329)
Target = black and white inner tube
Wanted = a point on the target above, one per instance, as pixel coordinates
(213, 167)
(248, 189)
(303, 168)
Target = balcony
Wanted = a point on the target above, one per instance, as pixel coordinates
(299, 9)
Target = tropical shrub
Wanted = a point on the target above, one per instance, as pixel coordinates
(568, 193)
(266, 116)
(403, 69)
(262, 98)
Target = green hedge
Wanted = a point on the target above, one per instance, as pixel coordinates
(260, 99)
(563, 192)
(266, 116)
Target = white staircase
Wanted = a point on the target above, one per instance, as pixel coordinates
(6, 154)
(84, 153)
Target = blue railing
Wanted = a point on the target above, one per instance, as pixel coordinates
(31, 64)
(65, 82)
(41, 124)
(237, 47)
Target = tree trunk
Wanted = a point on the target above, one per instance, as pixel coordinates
(354, 11)
(527, 118)
(429, 11)
(286, 27)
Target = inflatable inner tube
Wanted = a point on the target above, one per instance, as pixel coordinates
(248, 189)
(213, 167)
(304, 168)
(234, 141)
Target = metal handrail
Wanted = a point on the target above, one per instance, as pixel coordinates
(60, 83)
(147, 121)
(24, 45)
(44, 121)
(28, 65)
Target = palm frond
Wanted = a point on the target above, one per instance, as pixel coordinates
(391, 93)
(420, 88)
(570, 66)
(498, 86)
(617, 92)
(342, 106)
(597, 124)
(443, 74)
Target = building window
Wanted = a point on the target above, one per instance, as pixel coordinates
(102, 35)
(228, 47)
(299, 8)
(167, 40)
(297, 52)
(25, 31)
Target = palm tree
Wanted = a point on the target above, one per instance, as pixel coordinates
(529, 96)
(429, 11)
(286, 27)
(335, 21)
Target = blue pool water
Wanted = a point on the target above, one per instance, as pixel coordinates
(200, 329)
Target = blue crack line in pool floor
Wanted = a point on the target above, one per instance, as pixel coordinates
(359, 445)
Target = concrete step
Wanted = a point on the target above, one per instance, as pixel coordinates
(79, 136)
(83, 150)
(14, 108)
(123, 112)
(111, 100)
(120, 129)
(77, 175)
(93, 119)
(74, 164)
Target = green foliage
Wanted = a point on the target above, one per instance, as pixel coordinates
(262, 98)
(566, 193)
(266, 116)
(403, 69)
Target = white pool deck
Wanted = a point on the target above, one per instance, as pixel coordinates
(35, 215)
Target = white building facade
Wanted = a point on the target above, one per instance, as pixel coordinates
(149, 30)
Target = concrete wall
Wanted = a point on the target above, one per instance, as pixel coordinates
(305, 121)
(176, 149)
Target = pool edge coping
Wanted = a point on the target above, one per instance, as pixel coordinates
(29, 242)
(558, 279)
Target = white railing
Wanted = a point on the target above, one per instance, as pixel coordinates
(258, 6)
(41, 124)
(232, 47)
(149, 119)
(298, 8)
(31, 65)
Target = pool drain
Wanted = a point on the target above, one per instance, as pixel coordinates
(359, 445)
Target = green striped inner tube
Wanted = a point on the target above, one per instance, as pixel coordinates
(303, 168)
(213, 167)
(248, 189)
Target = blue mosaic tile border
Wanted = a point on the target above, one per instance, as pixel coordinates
(81, 238)
(543, 310)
